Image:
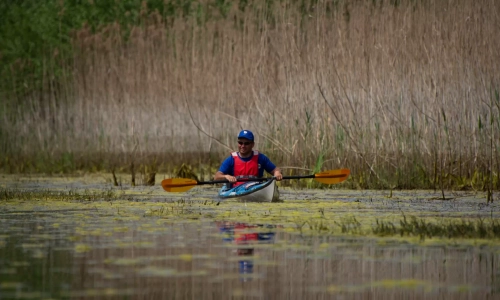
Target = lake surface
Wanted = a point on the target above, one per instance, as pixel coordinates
(81, 238)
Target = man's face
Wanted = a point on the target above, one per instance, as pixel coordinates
(245, 146)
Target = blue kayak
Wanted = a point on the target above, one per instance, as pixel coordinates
(252, 191)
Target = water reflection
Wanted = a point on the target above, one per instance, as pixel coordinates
(149, 259)
(245, 236)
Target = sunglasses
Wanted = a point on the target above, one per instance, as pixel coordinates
(244, 143)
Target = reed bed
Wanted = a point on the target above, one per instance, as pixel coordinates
(403, 93)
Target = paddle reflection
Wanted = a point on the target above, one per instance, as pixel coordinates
(246, 236)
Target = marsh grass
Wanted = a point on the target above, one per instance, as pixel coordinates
(422, 228)
(413, 226)
(49, 195)
(406, 95)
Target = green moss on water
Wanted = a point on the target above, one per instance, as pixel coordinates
(374, 218)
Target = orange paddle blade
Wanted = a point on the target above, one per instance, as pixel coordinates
(332, 176)
(178, 184)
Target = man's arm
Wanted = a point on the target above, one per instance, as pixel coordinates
(268, 165)
(225, 168)
(221, 176)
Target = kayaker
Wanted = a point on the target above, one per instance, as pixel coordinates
(246, 162)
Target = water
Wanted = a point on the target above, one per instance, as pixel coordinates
(143, 243)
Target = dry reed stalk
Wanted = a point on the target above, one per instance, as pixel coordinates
(389, 75)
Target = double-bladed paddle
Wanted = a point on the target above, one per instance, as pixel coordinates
(184, 184)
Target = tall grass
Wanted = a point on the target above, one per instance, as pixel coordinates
(404, 93)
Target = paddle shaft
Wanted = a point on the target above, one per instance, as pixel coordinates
(264, 179)
(227, 181)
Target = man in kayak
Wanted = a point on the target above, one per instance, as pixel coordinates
(246, 162)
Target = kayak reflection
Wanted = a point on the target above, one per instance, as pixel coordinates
(246, 236)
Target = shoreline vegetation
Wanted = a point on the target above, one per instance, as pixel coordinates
(406, 94)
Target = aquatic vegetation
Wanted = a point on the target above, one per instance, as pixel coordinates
(384, 284)
(451, 228)
(45, 195)
(306, 213)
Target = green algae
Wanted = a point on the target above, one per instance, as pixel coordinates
(398, 216)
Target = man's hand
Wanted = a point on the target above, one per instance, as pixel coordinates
(278, 175)
(230, 178)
